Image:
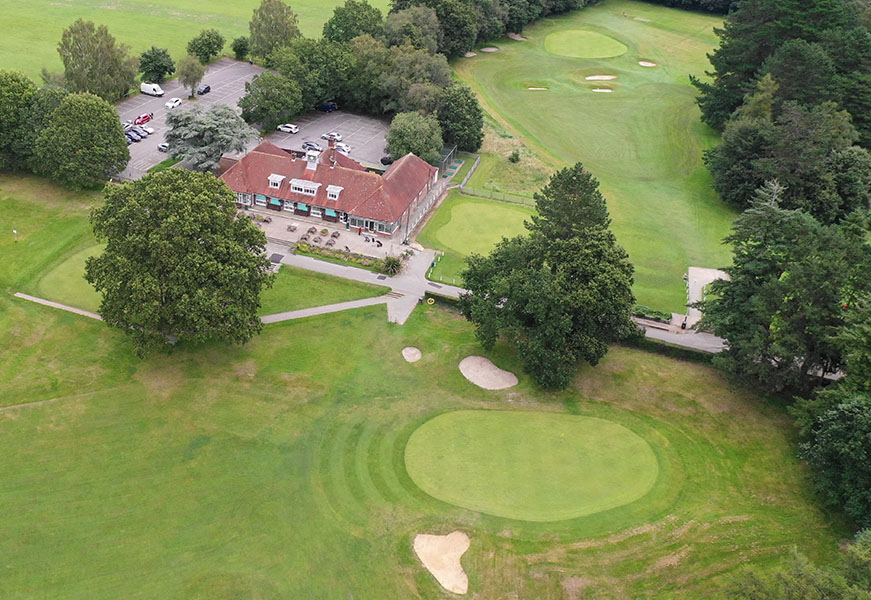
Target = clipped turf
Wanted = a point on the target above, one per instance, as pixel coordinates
(532, 467)
(277, 470)
(32, 29)
(643, 141)
(464, 225)
(578, 43)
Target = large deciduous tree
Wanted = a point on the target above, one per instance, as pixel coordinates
(352, 19)
(94, 62)
(240, 47)
(273, 26)
(37, 116)
(179, 266)
(156, 64)
(202, 136)
(418, 26)
(271, 99)
(16, 93)
(461, 117)
(415, 133)
(190, 73)
(320, 67)
(83, 144)
(207, 45)
(560, 295)
(790, 278)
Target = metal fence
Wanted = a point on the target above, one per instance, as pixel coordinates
(501, 196)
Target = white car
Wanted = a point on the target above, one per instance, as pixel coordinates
(343, 148)
(173, 102)
(288, 128)
(332, 135)
(148, 130)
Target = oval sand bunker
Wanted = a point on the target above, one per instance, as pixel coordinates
(483, 373)
(411, 354)
(490, 49)
(440, 554)
(469, 54)
(603, 90)
(600, 77)
(646, 63)
(536, 89)
(530, 465)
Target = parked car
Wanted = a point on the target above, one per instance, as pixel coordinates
(204, 89)
(332, 135)
(152, 89)
(142, 119)
(129, 141)
(327, 107)
(147, 129)
(127, 125)
(139, 131)
(288, 128)
(164, 147)
(132, 135)
(343, 148)
(312, 146)
(386, 160)
(173, 102)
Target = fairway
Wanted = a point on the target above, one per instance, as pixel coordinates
(32, 29)
(530, 466)
(65, 283)
(643, 141)
(464, 225)
(578, 43)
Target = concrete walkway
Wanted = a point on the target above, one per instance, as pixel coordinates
(323, 310)
(65, 307)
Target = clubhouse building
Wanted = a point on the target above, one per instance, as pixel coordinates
(333, 187)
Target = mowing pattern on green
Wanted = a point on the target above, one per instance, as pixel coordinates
(579, 43)
(643, 142)
(530, 466)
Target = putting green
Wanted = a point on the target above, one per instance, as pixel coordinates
(530, 466)
(579, 43)
(66, 283)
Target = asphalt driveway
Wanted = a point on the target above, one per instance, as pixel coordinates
(227, 78)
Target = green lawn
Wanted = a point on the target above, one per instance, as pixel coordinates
(32, 29)
(643, 142)
(464, 225)
(277, 469)
(468, 160)
(532, 467)
(296, 288)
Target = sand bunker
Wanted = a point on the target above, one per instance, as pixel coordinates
(600, 77)
(411, 354)
(603, 90)
(536, 88)
(490, 49)
(469, 54)
(485, 374)
(440, 554)
(517, 37)
(646, 63)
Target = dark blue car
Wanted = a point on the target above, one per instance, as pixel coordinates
(328, 107)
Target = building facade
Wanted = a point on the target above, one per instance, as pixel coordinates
(333, 187)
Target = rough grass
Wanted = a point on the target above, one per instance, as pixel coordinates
(276, 469)
(32, 29)
(464, 225)
(644, 141)
(532, 467)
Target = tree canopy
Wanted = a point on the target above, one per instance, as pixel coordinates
(94, 62)
(461, 117)
(16, 92)
(156, 64)
(271, 99)
(352, 19)
(417, 25)
(190, 73)
(272, 26)
(179, 266)
(91, 148)
(240, 47)
(415, 133)
(207, 45)
(202, 136)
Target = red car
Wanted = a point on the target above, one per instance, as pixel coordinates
(142, 119)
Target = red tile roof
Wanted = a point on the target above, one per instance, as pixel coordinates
(364, 194)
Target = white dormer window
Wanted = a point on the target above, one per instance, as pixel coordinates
(333, 191)
(275, 181)
(302, 186)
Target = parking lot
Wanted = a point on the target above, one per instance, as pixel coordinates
(364, 134)
(227, 78)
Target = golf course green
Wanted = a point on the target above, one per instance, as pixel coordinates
(530, 466)
(643, 141)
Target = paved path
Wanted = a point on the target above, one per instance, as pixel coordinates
(323, 310)
(65, 307)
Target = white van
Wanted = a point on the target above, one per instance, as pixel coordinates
(152, 89)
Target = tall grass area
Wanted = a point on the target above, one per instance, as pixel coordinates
(32, 29)
(643, 140)
(276, 469)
